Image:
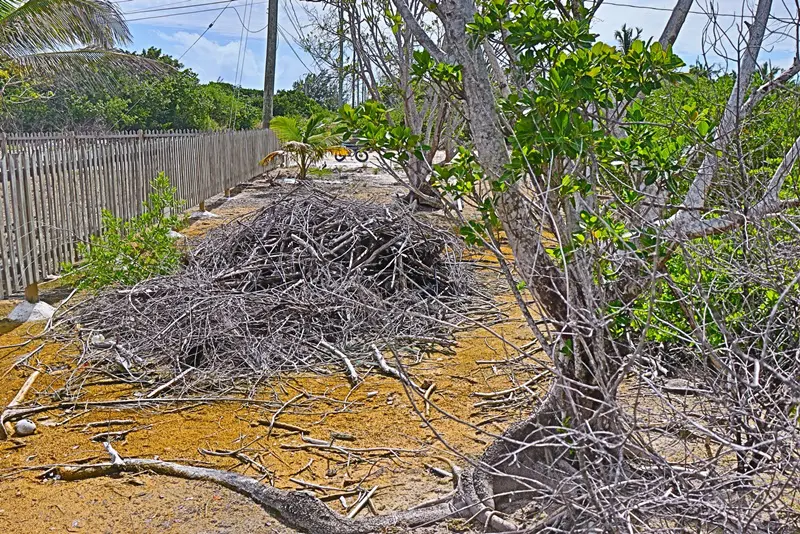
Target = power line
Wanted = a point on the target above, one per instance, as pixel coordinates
(280, 29)
(181, 13)
(206, 30)
(663, 9)
(246, 26)
(691, 12)
(130, 107)
(239, 74)
(192, 6)
(221, 9)
(297, 37)
(175, 5)
(286, 40)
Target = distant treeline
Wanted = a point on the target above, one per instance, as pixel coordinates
(175, 100)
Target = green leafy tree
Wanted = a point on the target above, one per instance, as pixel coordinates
(156, 54)
(600, 204)
(230, 106)
(321, 88)
(306, 144)
(16, 89)
(173, 100)
(295, 103)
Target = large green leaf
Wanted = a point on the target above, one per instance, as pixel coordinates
(286, 129)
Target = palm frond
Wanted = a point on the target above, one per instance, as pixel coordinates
(269, 158)
(286, 129)
(89, 66)
(313, 126)
(34, 26)
(297, 147)
(324, 138)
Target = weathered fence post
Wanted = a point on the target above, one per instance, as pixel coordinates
(32, 292)
(141, 176)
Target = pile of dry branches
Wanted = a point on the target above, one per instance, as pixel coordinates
(307, 282)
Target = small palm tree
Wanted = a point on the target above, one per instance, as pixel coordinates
(767, 71)
(625, 37)
(305, 144)
(69, 37)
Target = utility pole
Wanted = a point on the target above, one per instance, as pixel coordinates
(341, 55)
(269, 70)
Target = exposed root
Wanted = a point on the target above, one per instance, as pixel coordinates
(297, 509)
(550, 475)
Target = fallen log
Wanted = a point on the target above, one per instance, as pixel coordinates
(8, 429)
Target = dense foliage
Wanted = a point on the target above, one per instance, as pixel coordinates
(131, 251)
(687, 111)
(642, 201)
(173, 100)
(677, 111)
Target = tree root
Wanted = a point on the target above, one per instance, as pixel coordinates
(296, 509)
(525, 459)
(509, 472)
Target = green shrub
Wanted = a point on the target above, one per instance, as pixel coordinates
(128, 252)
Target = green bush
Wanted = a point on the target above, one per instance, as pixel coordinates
(128, 252)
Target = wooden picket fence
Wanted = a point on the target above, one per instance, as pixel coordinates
(53, 187)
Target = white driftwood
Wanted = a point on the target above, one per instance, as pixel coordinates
(351, 371)
(167, 385)
(8, 429)
(360, 504)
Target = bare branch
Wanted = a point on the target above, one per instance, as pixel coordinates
(675, 23)
(770, 203)
(759, 94)
(779, 178)
(497, 70)
(420, 34)
(696, 196)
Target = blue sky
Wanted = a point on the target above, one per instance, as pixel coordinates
(217, 53)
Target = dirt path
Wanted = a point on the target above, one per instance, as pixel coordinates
(394, 445)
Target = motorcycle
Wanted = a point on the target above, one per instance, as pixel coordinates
(353, 150)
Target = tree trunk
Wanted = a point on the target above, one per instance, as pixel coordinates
(510, 467)
(421, 193)
(303, 167)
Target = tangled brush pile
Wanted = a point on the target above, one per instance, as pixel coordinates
(307, 283)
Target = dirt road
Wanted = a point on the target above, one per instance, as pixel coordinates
(392, 448)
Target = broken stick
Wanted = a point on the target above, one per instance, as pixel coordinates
(351, 371)
(8, 430)
(427, 398)
(391, 371)
(360, 504)
(162, 387)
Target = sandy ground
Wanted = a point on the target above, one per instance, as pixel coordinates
(377, 413)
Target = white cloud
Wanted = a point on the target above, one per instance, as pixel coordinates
(212, 59)
(215, 57)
